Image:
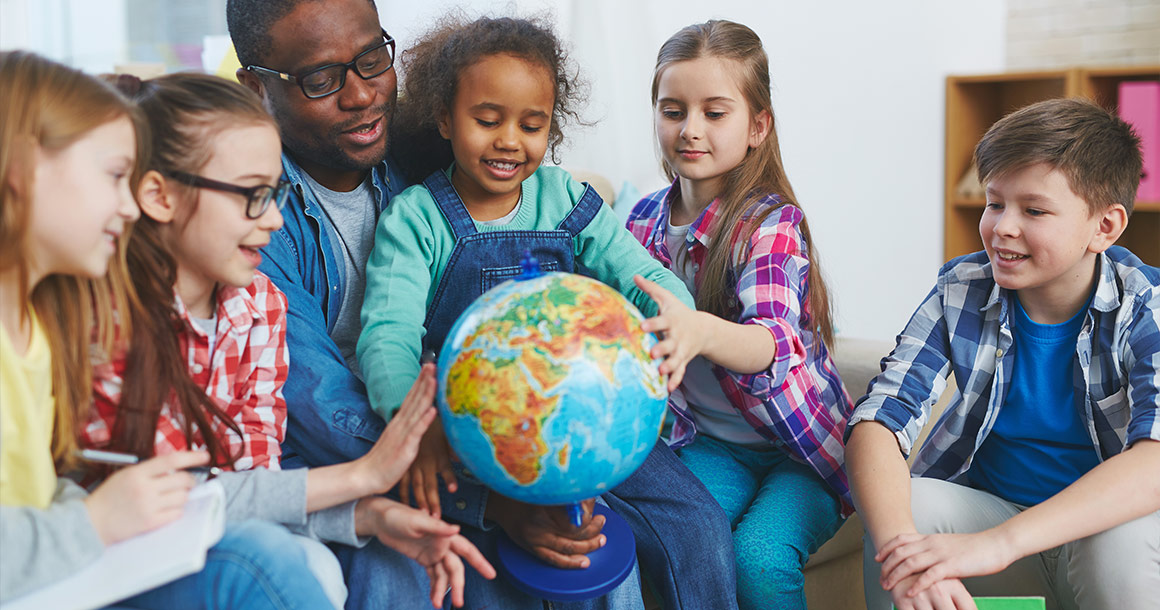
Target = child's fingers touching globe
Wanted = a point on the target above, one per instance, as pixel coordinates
(676, 377)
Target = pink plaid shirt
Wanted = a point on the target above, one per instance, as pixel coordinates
(799, 403)
(244, 374)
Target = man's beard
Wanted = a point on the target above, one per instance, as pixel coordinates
(325, 150)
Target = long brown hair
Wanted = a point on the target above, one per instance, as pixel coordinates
(46, 104)
(759, 174)
(185, 111)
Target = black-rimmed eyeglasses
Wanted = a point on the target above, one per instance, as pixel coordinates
(321, 82)
(258, 198)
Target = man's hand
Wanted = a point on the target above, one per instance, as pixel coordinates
(943, 595)
(431, 542)
(422, 480)
(395, 451)
(937, 557)
(546, 532)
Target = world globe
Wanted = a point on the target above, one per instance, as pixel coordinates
(547, 392)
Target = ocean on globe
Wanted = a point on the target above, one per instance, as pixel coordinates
(547, 392)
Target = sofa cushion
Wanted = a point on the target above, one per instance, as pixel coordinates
(858, 363)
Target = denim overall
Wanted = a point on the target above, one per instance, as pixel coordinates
(659, 500)
(483, 259)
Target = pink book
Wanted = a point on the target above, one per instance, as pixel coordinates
(1140, 107)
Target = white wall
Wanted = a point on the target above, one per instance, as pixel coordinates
(858, 94)
(87, 34)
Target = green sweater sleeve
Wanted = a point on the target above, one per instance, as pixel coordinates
(394, 304)
(413, 243)
(612, 255)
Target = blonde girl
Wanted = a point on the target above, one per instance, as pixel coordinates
(68, 149)
(759, 406)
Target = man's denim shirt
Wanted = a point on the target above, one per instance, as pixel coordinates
(330, 418)
(963, 327)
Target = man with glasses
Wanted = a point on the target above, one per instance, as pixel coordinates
(324, 71)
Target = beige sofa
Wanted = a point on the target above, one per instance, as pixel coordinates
(834, 573)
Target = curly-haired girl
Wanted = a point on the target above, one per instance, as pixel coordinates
(482, 104)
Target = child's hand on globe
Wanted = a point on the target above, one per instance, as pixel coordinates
(433, 461)
(681, 329)
(387, 462)
(547, 532)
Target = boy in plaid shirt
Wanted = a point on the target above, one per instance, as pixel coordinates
(1041, 476)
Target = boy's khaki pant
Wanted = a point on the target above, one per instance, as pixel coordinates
(1115, 569)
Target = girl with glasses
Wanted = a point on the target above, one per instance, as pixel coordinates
(206, 361)
(70, 148)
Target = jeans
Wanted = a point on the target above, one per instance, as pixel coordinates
(325, 568)
(781, 512)
(380, 577)
(1116, 568)
(683, 539)
(255, 566)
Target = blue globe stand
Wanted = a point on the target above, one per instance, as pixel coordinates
(608, 567)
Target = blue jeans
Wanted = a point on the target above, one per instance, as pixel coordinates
(380, 577)
(683, 542)
(255, 566)
(781, 512)
(683, 539)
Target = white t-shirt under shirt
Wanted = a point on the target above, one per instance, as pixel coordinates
(209, 327)
(715, 415)
(502, 220)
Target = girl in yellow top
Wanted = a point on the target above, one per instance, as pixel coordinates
(69, 146)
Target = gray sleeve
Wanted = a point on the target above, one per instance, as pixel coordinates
(42, 546)
(269, 495)
(334, 524)
(280, 496)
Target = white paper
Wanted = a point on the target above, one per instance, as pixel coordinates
(141, 563)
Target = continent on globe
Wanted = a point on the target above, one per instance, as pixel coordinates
(547, 391)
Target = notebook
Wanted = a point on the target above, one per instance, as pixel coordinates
(141, 563)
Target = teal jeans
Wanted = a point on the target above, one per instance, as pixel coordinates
(781, 512)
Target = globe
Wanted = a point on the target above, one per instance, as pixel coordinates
(547, 392)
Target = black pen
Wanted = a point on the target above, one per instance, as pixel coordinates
(114, 458)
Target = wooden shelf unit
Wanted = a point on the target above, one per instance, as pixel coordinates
(974, 103)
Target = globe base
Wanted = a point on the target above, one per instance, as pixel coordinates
(608, 567)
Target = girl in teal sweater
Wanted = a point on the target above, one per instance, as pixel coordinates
(482, 105)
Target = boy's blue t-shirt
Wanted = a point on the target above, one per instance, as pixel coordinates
(1039, 444)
